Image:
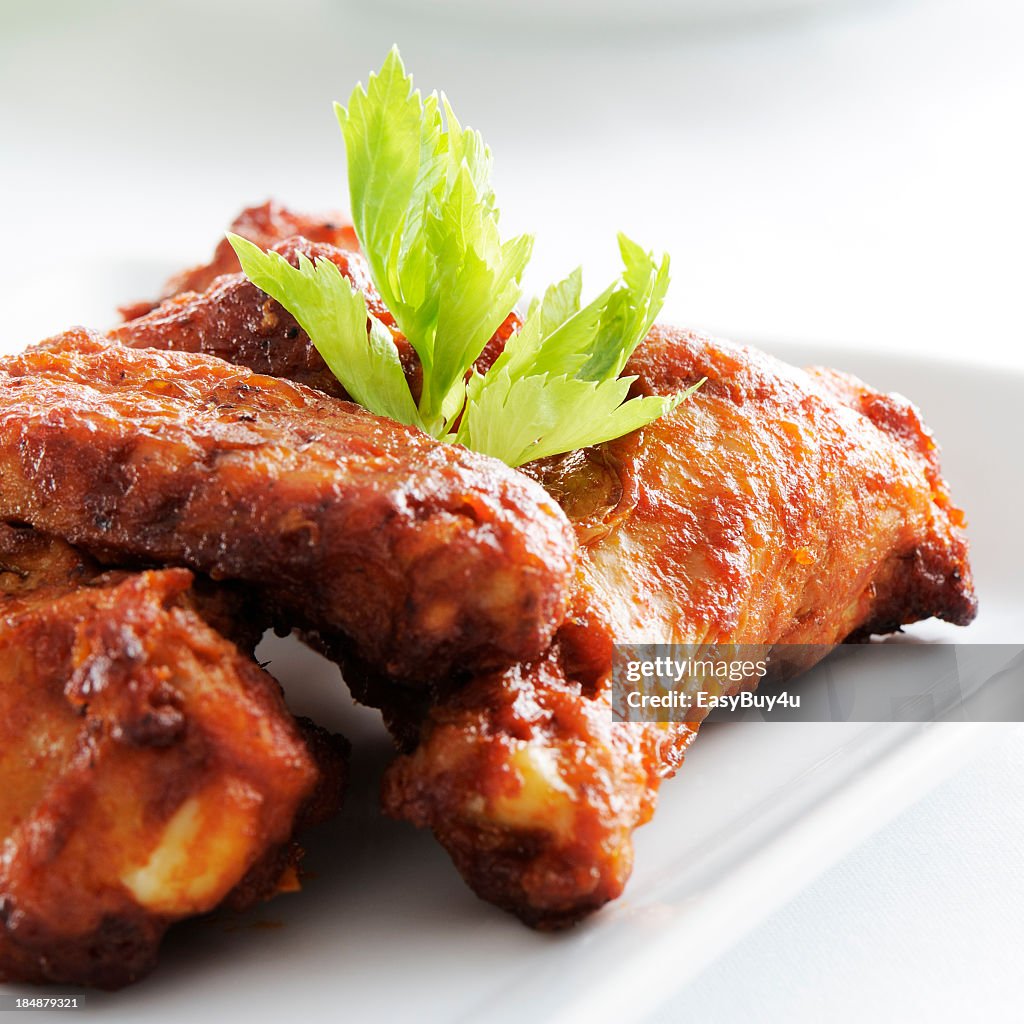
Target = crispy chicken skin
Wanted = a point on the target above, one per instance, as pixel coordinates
(236, 321)
(150, 770)
(776, 506)
(427, 557)
(266, 225)
(31, 560)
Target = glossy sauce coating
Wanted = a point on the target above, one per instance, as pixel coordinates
(150, 770)
(776, 506)
(428, 558)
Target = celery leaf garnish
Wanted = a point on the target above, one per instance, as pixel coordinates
(427, 221)
(424, 212)
(556, 385)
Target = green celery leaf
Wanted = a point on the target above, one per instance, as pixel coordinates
(630, 312)
(594, 343)
(521, 419)
(466, 148)
(334, 316)
(557, 335)
(556, 385)
(427, 221)
(425, 215)
(392, 144)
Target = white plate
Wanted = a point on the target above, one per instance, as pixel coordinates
(385, 929)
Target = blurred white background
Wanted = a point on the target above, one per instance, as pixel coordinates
(850, 175)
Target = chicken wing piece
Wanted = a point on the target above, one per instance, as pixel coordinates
(150, 771)
(431, 559)
(775, 506)
(266, 225)
(236, 321)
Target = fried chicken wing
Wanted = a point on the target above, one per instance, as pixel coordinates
(428, 558)
(775, 506)
(151, 771)
(266, 225)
